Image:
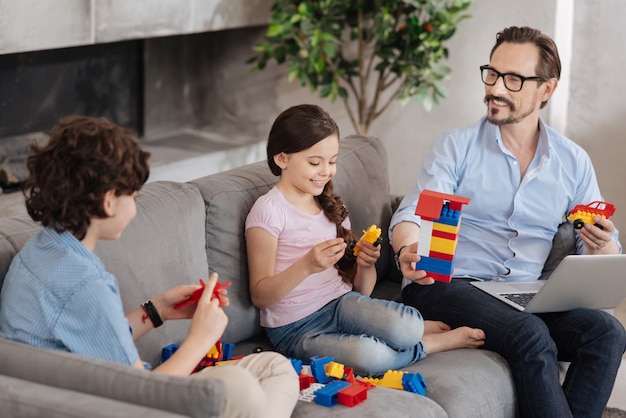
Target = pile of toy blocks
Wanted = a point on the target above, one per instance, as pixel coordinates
(220, 353)
(328, 383)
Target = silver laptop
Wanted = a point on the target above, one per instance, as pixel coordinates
(579, 281)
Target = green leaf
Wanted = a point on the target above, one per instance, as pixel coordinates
(274, 29)
(325, 90)
(319, 41)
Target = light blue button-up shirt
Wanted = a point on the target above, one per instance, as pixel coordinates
(507, 229)
(58, 295)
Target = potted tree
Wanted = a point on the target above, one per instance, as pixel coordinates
(366, 52)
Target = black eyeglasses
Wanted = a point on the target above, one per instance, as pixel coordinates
(513, 82)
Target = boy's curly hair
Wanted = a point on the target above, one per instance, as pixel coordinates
(69, 175)
(299, 128)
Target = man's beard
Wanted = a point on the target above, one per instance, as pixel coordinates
(492, 113)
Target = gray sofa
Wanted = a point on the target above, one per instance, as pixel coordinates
(182, 232)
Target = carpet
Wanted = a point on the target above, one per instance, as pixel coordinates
(613, 413)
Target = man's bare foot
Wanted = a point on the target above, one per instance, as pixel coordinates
(462, 337)
(435, 327)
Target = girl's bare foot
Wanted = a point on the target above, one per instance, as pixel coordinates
(462, 337)
(435, 327)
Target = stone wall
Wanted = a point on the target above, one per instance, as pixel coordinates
(30, 25)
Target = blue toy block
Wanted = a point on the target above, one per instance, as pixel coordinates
(318, 371)
(227, 351)
(435, 265)
(297, 365)
(414, 382)
(449, 216)
(327, 395)
(168, 351)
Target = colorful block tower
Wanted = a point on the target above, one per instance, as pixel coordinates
(441, 220)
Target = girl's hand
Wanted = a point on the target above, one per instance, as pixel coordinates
(368, 254)
(325, 255)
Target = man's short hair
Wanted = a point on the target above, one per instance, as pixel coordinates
(549, 65)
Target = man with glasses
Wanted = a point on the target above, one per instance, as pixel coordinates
(523, 178)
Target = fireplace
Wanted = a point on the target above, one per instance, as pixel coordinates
(189, 93)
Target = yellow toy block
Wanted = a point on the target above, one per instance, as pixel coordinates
(214, 353)
(392, 379)
(442, 245)
(451, 229)
(372, 236)
(333, 369)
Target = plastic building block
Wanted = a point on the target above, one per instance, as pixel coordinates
(441, 219)
(352, 395)
(391, 379)
(215, 353)
(306, 380)
(348, 375)
(430, 204)
(195, 296)
(434, 265)
(307, 394)
(394, 379)
(327, 395)
(297, 365)
(333, 369)
(227, 351)
(414, 382)
(371, 235)
(317, 369)
(167, 351)
(441, 245)
(584, 214)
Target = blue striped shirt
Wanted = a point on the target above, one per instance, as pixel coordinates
(507, 229)
(58, 295)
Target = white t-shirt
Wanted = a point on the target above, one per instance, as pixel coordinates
(297, 232)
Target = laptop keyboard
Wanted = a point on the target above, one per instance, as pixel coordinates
(521, 299)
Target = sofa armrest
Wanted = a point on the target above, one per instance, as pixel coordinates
(189, 396)
(20, 398)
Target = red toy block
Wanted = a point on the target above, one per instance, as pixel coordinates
(444, 235)
(352, 395)
(430, 203)
(195, 296)
(306, 381)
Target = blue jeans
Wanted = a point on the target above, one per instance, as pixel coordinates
(593, 341)
(369, 335)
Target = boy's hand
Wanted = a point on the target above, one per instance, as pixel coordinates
(180, 302)
(209, 319)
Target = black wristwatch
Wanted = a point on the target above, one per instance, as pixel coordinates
(396, 257)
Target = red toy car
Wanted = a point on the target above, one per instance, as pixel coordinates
(583, 214)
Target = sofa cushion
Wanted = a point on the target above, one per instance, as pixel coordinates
(468, 383)
(164, 246)
(23, 399)
(563, 244)
(14, 232)
(229, 196)
(380, 402)
(189, 396)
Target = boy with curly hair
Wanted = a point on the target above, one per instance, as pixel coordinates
(82, 188)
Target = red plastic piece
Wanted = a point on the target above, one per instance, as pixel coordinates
(195, 296)
(305, 381)
(352, 395)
